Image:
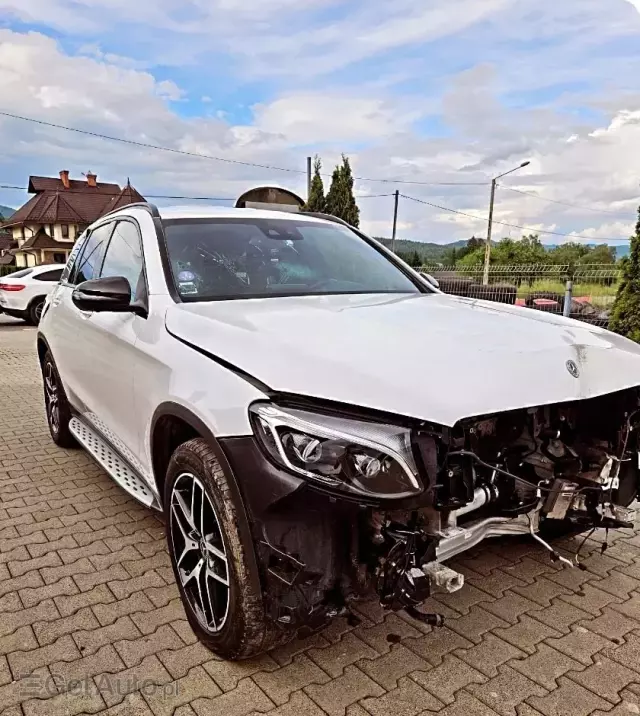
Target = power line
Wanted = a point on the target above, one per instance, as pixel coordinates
(504, 223)
(556, 201)
(372, 196)
(166, 196)
(146, 145)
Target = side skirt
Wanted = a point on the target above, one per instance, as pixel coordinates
(113, 463)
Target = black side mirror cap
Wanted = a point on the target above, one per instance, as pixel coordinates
(111, 293)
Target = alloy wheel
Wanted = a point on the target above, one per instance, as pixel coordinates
(199, 550)
(52, 403)
(38, 310)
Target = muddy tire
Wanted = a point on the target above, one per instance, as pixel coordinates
(211, 561)
(56, 405)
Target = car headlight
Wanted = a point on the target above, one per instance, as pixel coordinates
(369, 459)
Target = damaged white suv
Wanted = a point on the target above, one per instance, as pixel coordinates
(317, 421)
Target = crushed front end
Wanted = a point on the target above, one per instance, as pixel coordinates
(344, 505)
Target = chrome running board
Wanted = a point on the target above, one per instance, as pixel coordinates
(116, 467)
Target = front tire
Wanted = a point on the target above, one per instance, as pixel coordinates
(209, 557)
(56, 405)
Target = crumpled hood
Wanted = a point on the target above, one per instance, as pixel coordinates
(429, 356)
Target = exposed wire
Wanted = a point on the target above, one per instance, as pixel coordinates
(556, 201)
(160, 148)
(504, 223)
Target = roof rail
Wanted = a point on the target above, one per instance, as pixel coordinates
(147, 205)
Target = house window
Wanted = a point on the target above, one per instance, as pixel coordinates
(65, 231)
(59, 258)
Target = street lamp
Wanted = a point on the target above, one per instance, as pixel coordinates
(487, 249)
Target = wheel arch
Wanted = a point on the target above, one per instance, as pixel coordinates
(42, 347)
(171, 426)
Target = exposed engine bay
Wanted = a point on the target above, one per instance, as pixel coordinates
(542, 471)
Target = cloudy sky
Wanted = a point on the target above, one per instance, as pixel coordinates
(441, 93)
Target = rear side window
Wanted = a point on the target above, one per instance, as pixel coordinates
(54, 276)
(90, 259)
(20, 274)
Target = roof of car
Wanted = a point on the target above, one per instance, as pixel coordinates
(227, 212)
(47, 267)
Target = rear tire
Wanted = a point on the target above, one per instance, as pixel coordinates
(211, 561)
(35, 311)
(56, 404)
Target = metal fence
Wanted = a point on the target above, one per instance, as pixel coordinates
(584, 292)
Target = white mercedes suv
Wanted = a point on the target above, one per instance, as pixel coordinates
(317, 421)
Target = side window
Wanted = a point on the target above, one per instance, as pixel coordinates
(124, 257)
(71, 261)
(91, 255)
(51, 276)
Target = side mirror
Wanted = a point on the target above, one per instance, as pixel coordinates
(112, 293)
(430, 279)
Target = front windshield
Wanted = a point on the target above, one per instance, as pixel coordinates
(234, 258)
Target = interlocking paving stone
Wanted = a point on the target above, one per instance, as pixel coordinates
(605, 678)
(570, 699)
(278, 685)
(445, 680)
(505, 691)
(347, 651)
(408, 699)
(581, 644)
(546, 666)
(526, 634)
(336, 695)
(491, 653)
(388, 669)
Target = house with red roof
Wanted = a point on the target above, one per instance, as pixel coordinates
(46, 227)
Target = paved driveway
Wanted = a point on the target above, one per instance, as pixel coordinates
(90, 620)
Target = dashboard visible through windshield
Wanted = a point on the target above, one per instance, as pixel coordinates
(253, 258)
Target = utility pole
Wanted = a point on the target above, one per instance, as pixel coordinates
(308, 177)
(396, 196)
(487, 248)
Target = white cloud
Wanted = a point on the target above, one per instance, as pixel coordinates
(587, 158)
(319, 117)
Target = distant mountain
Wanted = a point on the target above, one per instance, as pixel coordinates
(426, 250)
(621, 250)
(6, 211)
(436, 252)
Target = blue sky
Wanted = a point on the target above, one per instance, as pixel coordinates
(418, 90)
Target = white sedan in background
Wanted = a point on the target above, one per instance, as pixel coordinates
(23, 293)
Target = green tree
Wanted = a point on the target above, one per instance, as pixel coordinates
(340, 199)
(569, 253)
(625, 315)
(524, 252)
(316, 200)
(601, 254)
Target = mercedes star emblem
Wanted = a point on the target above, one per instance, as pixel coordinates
(573, 368)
